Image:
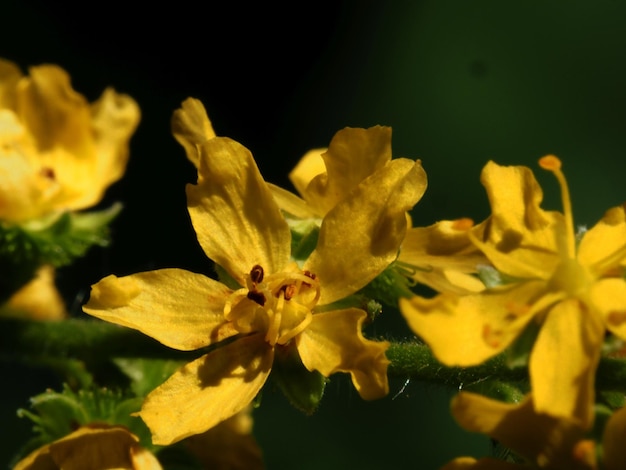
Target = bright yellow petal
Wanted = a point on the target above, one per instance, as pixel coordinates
(520, 239)
(308, 168)
(292, 204)
(207, 391)
(563, 362)
(603, 247)
(543, 439)
(467, 330)
(181, 309)
(614, 452)
(333, 342)
(353, 155)
(191, 127)
(362, 234)
(608, 297)
(237, 222)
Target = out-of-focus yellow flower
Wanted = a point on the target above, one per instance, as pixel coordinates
(39, 299)
(92, 448)
(57, 151)
(279, 305)
(573, 290)
(544, 441)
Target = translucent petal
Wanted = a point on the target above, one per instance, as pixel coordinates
(291, 203)
(563, 362)
(207, 391)
(353, 154)
(237, 222)
(333, 342)
(362, 234)
(191, 127)
(181, 309)
(467, 330)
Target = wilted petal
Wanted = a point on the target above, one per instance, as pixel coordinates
(333, 342)
(237, 222)
(362, 234)
(191, 127)
(181, 309)
(563, 362)
(209, 390)
(467, 330)
(353, 155)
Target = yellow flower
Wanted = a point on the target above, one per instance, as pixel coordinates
(94, 447)
(57, 151)
(544, 441)
(574, 291)
(280, 306)
(39, 299)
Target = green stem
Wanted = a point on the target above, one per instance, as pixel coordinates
(97, 340)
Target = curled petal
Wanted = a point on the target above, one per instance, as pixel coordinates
(310, 166)
(608, 297)
(333, 342)
(353, 154)
(467, 330)
(207, 391)
(237, 222)
(191, 127)
(10, 75)
(603, 247)
(565, 388)
(362, 234)
(182, 310)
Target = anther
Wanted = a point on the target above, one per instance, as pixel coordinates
(550, 162)
(289, 291)
(256, 273)
(257, 297)
(47, 172)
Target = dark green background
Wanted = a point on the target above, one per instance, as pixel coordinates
(460, 82)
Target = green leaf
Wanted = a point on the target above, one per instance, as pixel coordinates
(147, 374)
(303, 389)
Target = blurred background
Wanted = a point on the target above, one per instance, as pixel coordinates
(459, 82)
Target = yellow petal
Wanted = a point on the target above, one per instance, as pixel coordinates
(10, 75)
(467, 330)
(565, 388)
(520, 239)
(39, 299)
(603, 247)
(182, 310)
(543, 439)
(191, 127)
(608, 297)
(333, 342)
(308, 168)
(207, 391)
(362, 234)
(614, 453)
(487, 463)
(91, 447)
(353, 155)
(237, 222)
(443, 256)
(291, 203)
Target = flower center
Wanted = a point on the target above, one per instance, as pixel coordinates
(572, 278)
(279, 305)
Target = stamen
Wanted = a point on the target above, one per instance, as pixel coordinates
(553, 164)
(256, 273)
(257, 297)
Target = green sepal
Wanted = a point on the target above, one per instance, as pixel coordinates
(147, 374)
(57, 240)
(518, 354)
(389, 286)
(57, 414)
(303, 389)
